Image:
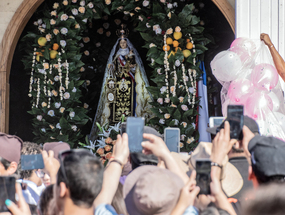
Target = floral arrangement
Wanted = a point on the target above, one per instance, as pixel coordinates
(57, 72)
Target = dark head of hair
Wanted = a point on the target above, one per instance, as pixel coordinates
(5, 163)
(272, 179)
(33, 209)
(268, 199)
(84, 173)
(44, 204)
(213, 210)
(118, 202)
(139, 159)
(29, 149)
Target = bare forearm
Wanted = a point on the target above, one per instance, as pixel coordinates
(110, 184)
(278, 61)
(171, 164)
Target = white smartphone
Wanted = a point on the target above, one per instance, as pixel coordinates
(135, 126)
(216, 120)
(172, 139)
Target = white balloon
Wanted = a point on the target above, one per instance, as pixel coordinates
(226, 66)
(264, 128)
(280, 118)
(275, 100)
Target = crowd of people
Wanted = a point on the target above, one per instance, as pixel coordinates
(247, 177)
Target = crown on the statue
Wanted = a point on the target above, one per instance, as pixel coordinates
(123, 33)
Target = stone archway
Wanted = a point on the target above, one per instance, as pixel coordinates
(13, 32)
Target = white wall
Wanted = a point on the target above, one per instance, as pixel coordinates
(7, 11)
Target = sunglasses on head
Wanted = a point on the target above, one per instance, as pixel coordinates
(62, 155)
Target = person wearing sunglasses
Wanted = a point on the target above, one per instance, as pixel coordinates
(43, 175)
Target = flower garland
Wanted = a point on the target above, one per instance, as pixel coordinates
(60, 78)
(166, 66)
(32, 74)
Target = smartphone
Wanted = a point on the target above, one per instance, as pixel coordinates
(123, 128)
(172, 139)
(235, 118)
(216, 121)
(203, 175)
(7, 188)
(135, 126)
(30, 162)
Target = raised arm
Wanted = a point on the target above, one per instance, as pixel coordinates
(156, 146)
(113, 171)
(278, 60)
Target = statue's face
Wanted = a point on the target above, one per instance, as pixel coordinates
(123, 44)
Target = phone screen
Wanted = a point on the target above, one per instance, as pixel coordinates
(123, 128)
(203, 176)
(7, 191)
(216, 120)
(135, 126)
(30, 162)
(172, 139)
(235, 118)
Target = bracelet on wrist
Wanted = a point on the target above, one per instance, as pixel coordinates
(116, 161)
(216, 164)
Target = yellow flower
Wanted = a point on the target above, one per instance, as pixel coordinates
(86, 105)
(53, 13)
(55, 5)
(77, 26)
(51, 126)
(54, 92)
(55, 31)
(177, 29)
(172, 88)
(173, 105)
(131, 14)
(181, 145)
(167, 116)
(169, 15)
(48, 37)
(137, 9)
(108, 2)
(52, 21)
(46, 65)
(181, 99)
(169, 31)
(65, 2)
(61, 110)
(81, 9)
(184, 124)
(44, 104)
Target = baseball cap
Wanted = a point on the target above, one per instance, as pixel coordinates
(10, 147)
(247, 121)
(267, 156)
(56, 147)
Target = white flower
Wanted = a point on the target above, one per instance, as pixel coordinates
(74, 1)
(82, 3)
(177, 63)
(90, 5)
(152, 61)
(155, 27)
(185, 78)
(184, 107)
(175, 4)
(58, 126)
(163, 89)
(40, 21)
(57, 104)
(158, 31)
(74, 90)
(194, 125)
(66, 95)
(176, 121)
(42, 71)
(191, 89)
(159, 71)
(72, 114)
(56, 78)
(84, 20)
(184, 124)
(167, 100)
(169, 5)
(53, 13)
(160, 111)
(39, 117)
(148, 25)
(51, 112)
(74, 128)
(63, 31)
(162, 121)
(43, 130)
(62, 43)
(152, 45)
(63, 17)
(177, 29)
(160, 100)
(140, 18)
(36, 23)
(74, 11)
(145, 3)
(182, 137)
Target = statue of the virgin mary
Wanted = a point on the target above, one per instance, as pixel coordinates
(124, 87)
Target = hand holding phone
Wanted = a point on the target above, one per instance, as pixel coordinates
(7, 191)
(30, 162)
(123, 128)
(235, 118)
(203, 176)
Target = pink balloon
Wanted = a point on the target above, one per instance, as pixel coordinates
(258, 105)
(245, 48)
(239, 91)
(264, 76)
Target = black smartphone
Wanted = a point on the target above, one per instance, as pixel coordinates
(172, 139)
(203, 175)
(30, 162)
(235, 118)
(123, 128)
(135, 126)
(7, 191)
